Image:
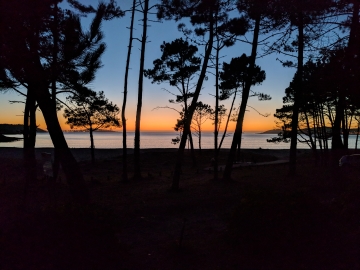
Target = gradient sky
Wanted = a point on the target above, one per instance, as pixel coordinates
(110, 79)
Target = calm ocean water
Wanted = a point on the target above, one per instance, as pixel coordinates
(157, 140)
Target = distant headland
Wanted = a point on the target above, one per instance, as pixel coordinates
(15, 129)
(272, 131)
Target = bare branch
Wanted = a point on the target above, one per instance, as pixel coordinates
(166, 107)
(265, 115)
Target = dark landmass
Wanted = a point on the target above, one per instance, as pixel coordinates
(15, 129)
(8, 139)
(352, 131)
(272, 131)
(84, 130)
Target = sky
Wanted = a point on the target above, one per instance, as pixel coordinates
(110, 79)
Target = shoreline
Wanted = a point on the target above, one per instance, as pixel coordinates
(83, 154)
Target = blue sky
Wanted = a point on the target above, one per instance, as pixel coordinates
(110, 78)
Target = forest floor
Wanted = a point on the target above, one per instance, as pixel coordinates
(262, 219)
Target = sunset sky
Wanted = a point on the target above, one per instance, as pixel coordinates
(110, 79)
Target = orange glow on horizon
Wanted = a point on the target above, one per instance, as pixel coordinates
(251, 124)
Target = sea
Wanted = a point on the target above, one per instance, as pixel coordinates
(113, 140)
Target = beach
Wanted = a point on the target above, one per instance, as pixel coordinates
(261, 219)
(83, 154)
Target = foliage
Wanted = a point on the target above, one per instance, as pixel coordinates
(92, 112)
(235, 73)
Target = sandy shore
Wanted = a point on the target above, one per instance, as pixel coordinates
(82, 154)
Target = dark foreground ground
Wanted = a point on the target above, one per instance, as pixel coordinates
(263, 219)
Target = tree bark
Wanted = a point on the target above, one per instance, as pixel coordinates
(123, 117)
(245, 96)
(137, 167)
(180, 152)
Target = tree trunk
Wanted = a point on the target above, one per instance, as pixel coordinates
(192, 149)
(123, 117)
(245, 96)
(298, 89)
(312, 143)
(69, 164)
(227, 120)
(29, 142)
(180, 153)
(345, 132)
(137, 168)
(92, 146)
(216, 129)
(357, 136)
(190, 135)
(336, 142)
(199, 139)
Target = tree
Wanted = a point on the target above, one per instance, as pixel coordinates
(202, 113)
(326, 82)
(137, 167)
(225, 36)
(177, 66)
(307, 19)
(257, 11)
(92, 112)
(27, 57)
(233, 77)
(123, 117)
(202, 16)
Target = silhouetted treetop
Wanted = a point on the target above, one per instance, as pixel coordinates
(177, 64)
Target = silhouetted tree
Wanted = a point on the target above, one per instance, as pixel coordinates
(226, 31)
(202, 15)
(202, 113)
(137, 167)
(257, 11)
(91, 111)
(177, 66)
(233, 77)
(26, 57)
(307, 19)
(123, 117)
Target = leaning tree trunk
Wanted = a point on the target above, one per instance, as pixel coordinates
(69, 164)
(298, 89)
(190, 135)
(123, 117)
(227, 121)
(245, 96)
(137, 168)
(180, 152)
